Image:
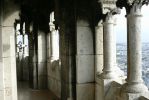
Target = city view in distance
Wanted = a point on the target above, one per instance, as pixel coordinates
(122, 60)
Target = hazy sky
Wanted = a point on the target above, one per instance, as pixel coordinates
(121, 25)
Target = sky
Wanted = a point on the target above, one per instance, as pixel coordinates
(121, 26)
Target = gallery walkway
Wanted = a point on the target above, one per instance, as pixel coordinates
(25, 93)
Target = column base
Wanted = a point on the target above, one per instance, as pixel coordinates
(114, 74)
(108, 75)
(134, 88)
(133, 96)
(107, 88)
(133, 91)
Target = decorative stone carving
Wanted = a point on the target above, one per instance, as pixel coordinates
(132, 5)
(107, 5)
(109, 15)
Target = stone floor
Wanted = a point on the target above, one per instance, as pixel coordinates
(25, 93)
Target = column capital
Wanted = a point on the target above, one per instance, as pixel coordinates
(107, 5)
(132, 6)
(109, 16)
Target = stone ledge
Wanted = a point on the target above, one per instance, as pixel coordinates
(108, 88)
(85, 91)
(143, 98)
(133, 96)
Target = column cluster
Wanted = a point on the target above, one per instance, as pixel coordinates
(134, 82)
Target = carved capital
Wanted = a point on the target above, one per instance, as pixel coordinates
(135, 9)
(107, 5)
(139, 2)
(110, 14)
(133, 6)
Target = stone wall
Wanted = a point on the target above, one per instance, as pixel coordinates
(54, 77)
(53, 70)
(8, 84)
(85, 70)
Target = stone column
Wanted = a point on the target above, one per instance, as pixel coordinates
(110, 69)
(48, 59)
(52, 43)
(98, 56)
(48, 47)
(24, 61)
(109, 47)
(134, 87)
(33, 59)
(99, 48)
(67, 55)
(134, 70)
(104, 83)
(52, 32)
(42, 66)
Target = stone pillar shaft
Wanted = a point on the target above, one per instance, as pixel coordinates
(108, 41)
(52, 43)
(134, 71)
(114, 44)
(42, 55)
(99, 48)
(134, 48)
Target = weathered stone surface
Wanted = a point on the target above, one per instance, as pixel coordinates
(53, 70)
(133, 96)
(1, 76)
(108, 89)
(9, 33)
(42, 65)
(99, 48)
(54, 78)
(99, 63)
(2, 94)
(8, 93)
(55, 86)
(99, 95)
(85, 68)
(42, 68)
(85, 91)
(134, 86)
(84, 38)
(143, 98)
(42, 81)
(99, 38)
(84, 60)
